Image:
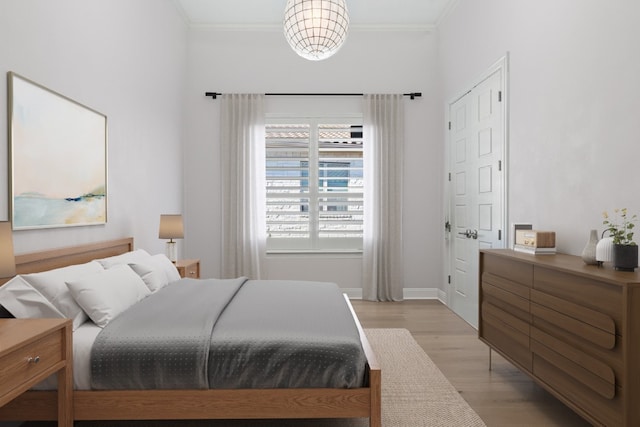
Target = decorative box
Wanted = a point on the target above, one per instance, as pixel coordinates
(536, 239)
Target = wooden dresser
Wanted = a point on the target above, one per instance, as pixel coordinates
(573, 328)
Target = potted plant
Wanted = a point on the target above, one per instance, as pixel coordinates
(625, 250)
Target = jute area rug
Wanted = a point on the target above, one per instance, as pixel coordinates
(415, 393)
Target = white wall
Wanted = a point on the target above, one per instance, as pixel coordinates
(574, 97)
(372, 62)
(574, 103)
(127, 60)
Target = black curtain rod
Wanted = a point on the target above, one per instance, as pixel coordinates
(412, 95)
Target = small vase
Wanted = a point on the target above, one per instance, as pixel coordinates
(625, 257)
(589, 251)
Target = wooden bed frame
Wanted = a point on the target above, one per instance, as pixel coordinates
(361, 402)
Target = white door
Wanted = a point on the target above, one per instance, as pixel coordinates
(476, 214)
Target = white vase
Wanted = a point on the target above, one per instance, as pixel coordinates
(589, 251)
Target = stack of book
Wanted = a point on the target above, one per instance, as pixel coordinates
(535, 242)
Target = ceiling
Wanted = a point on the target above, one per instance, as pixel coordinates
(364, 14)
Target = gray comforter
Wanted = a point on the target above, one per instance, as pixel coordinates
(197, 334)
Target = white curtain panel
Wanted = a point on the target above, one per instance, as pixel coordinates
(243, 185)
(383, 169)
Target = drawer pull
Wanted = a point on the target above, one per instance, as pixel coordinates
(33, 360)
(192, 273)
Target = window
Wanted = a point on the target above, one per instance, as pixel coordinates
(314, 184)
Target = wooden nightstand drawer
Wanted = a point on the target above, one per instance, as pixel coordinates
(24, 363)
(189, 268)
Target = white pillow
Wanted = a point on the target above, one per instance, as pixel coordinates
(52, 285)
(154, 277)
(23, 301)
(104, 295)
(139, 255)
(169, 268)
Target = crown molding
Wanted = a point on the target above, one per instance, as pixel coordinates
(181, 12)
(271, 25)
(446, 12)
(277, 26)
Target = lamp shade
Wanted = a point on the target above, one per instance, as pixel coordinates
(171, 227)
(7, 258)
(316, 29)
(604, 250)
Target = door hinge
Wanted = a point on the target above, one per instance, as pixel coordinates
(447, 226)
(499, 165)
(449, 176)
(449, 125)
(499, 234)
(499, 96)
(449, 279)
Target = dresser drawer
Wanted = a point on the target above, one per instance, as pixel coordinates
(506, 295)
(507, 334)
(605, 411)
(576, 326)
(516, 288)
(583, 367)
(515, 271)
(593, 294)
(16, 367)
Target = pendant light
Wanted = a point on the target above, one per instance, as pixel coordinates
(316, 29)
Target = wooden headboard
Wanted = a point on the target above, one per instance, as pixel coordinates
(35, 262)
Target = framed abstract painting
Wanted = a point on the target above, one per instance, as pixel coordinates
(58, 155)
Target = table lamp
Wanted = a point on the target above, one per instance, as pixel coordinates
(171, 227)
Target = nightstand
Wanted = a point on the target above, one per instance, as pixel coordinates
(30, 351)
(189, 268)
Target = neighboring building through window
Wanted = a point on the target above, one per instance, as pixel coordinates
(314, 184)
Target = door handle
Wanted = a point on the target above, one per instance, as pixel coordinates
(469, 234)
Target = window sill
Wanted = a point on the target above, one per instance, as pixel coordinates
(306, 252)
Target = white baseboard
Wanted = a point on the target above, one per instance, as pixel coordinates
(353, 293)
(409, 293)
(420, 293)
(442, 296)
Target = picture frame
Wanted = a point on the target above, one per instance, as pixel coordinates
(58, 158)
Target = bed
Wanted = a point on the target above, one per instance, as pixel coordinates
(194, 403)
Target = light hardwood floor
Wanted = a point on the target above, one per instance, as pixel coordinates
(503, 396)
